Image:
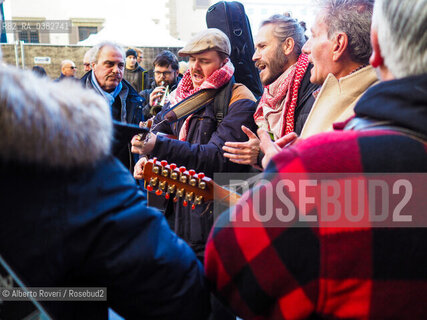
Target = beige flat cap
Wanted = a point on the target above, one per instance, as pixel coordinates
(209, 39)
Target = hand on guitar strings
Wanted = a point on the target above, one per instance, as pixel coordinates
(143, 145)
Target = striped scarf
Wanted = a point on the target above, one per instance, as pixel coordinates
(283, 89)
(185, 89)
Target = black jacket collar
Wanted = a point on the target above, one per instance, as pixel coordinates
(401, 101)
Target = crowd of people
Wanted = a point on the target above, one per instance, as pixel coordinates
(349, 100)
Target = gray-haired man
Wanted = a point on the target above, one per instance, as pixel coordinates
(339, 49)
(106, 78)
(346, 269)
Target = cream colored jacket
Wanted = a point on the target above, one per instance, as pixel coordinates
(336, 100)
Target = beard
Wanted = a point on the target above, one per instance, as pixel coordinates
(275, 67)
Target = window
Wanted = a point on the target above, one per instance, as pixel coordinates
(29, 36)
(85, 32)
(202, 4)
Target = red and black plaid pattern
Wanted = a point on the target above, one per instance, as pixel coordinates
(340, 273)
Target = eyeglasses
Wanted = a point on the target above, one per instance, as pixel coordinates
(166, 73)
(72, 67)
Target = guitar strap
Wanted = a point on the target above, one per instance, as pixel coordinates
(190, 105)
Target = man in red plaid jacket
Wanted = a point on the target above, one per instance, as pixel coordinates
(357, 272)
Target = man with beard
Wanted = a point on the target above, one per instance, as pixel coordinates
(353, 266)
(287, 98)
(200, 136)
(166, 70)
(106, 78)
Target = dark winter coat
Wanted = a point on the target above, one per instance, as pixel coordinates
(72, 215)
(138, 78)
(202, 151)
(353, 272)
(305, 100)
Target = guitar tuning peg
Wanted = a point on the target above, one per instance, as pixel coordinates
(149, 188)
(189, 196)
(171, 188)
(159, 192)
(193, 206)
(183, 179)
(154, 160)
(191, 172)
(153, 182)
(162, 185)
(198, 200)
(202, 185)
(172, 166)
(167, 196)
(175, 199)
(182, 169)
(193, 182)
(185, 203)
(164, 163)
(165, 172)
(174, 175)
(201, 175)
(180, 192)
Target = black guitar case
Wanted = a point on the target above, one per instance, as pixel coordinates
(230, 17)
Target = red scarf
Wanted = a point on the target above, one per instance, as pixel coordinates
(275, 93)
(185, 89)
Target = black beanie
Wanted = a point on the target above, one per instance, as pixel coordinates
(131, 52)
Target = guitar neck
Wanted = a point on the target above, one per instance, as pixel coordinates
(225, 196)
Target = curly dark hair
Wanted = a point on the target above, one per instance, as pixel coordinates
(166, 59)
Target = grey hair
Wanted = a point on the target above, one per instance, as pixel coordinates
(98, 48)
(56, 124)
(402, 35)
(65, 62)
(353, 17)
(287, 27)
(89, 55)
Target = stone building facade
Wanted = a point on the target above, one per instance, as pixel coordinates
(57, 53)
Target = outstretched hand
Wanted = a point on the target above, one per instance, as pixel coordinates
(243, 152)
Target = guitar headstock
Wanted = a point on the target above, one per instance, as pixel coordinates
(177, 182)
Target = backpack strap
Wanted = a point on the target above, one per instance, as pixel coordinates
(229, 94)
(222, 99)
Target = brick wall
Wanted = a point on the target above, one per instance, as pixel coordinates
(58, 53)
